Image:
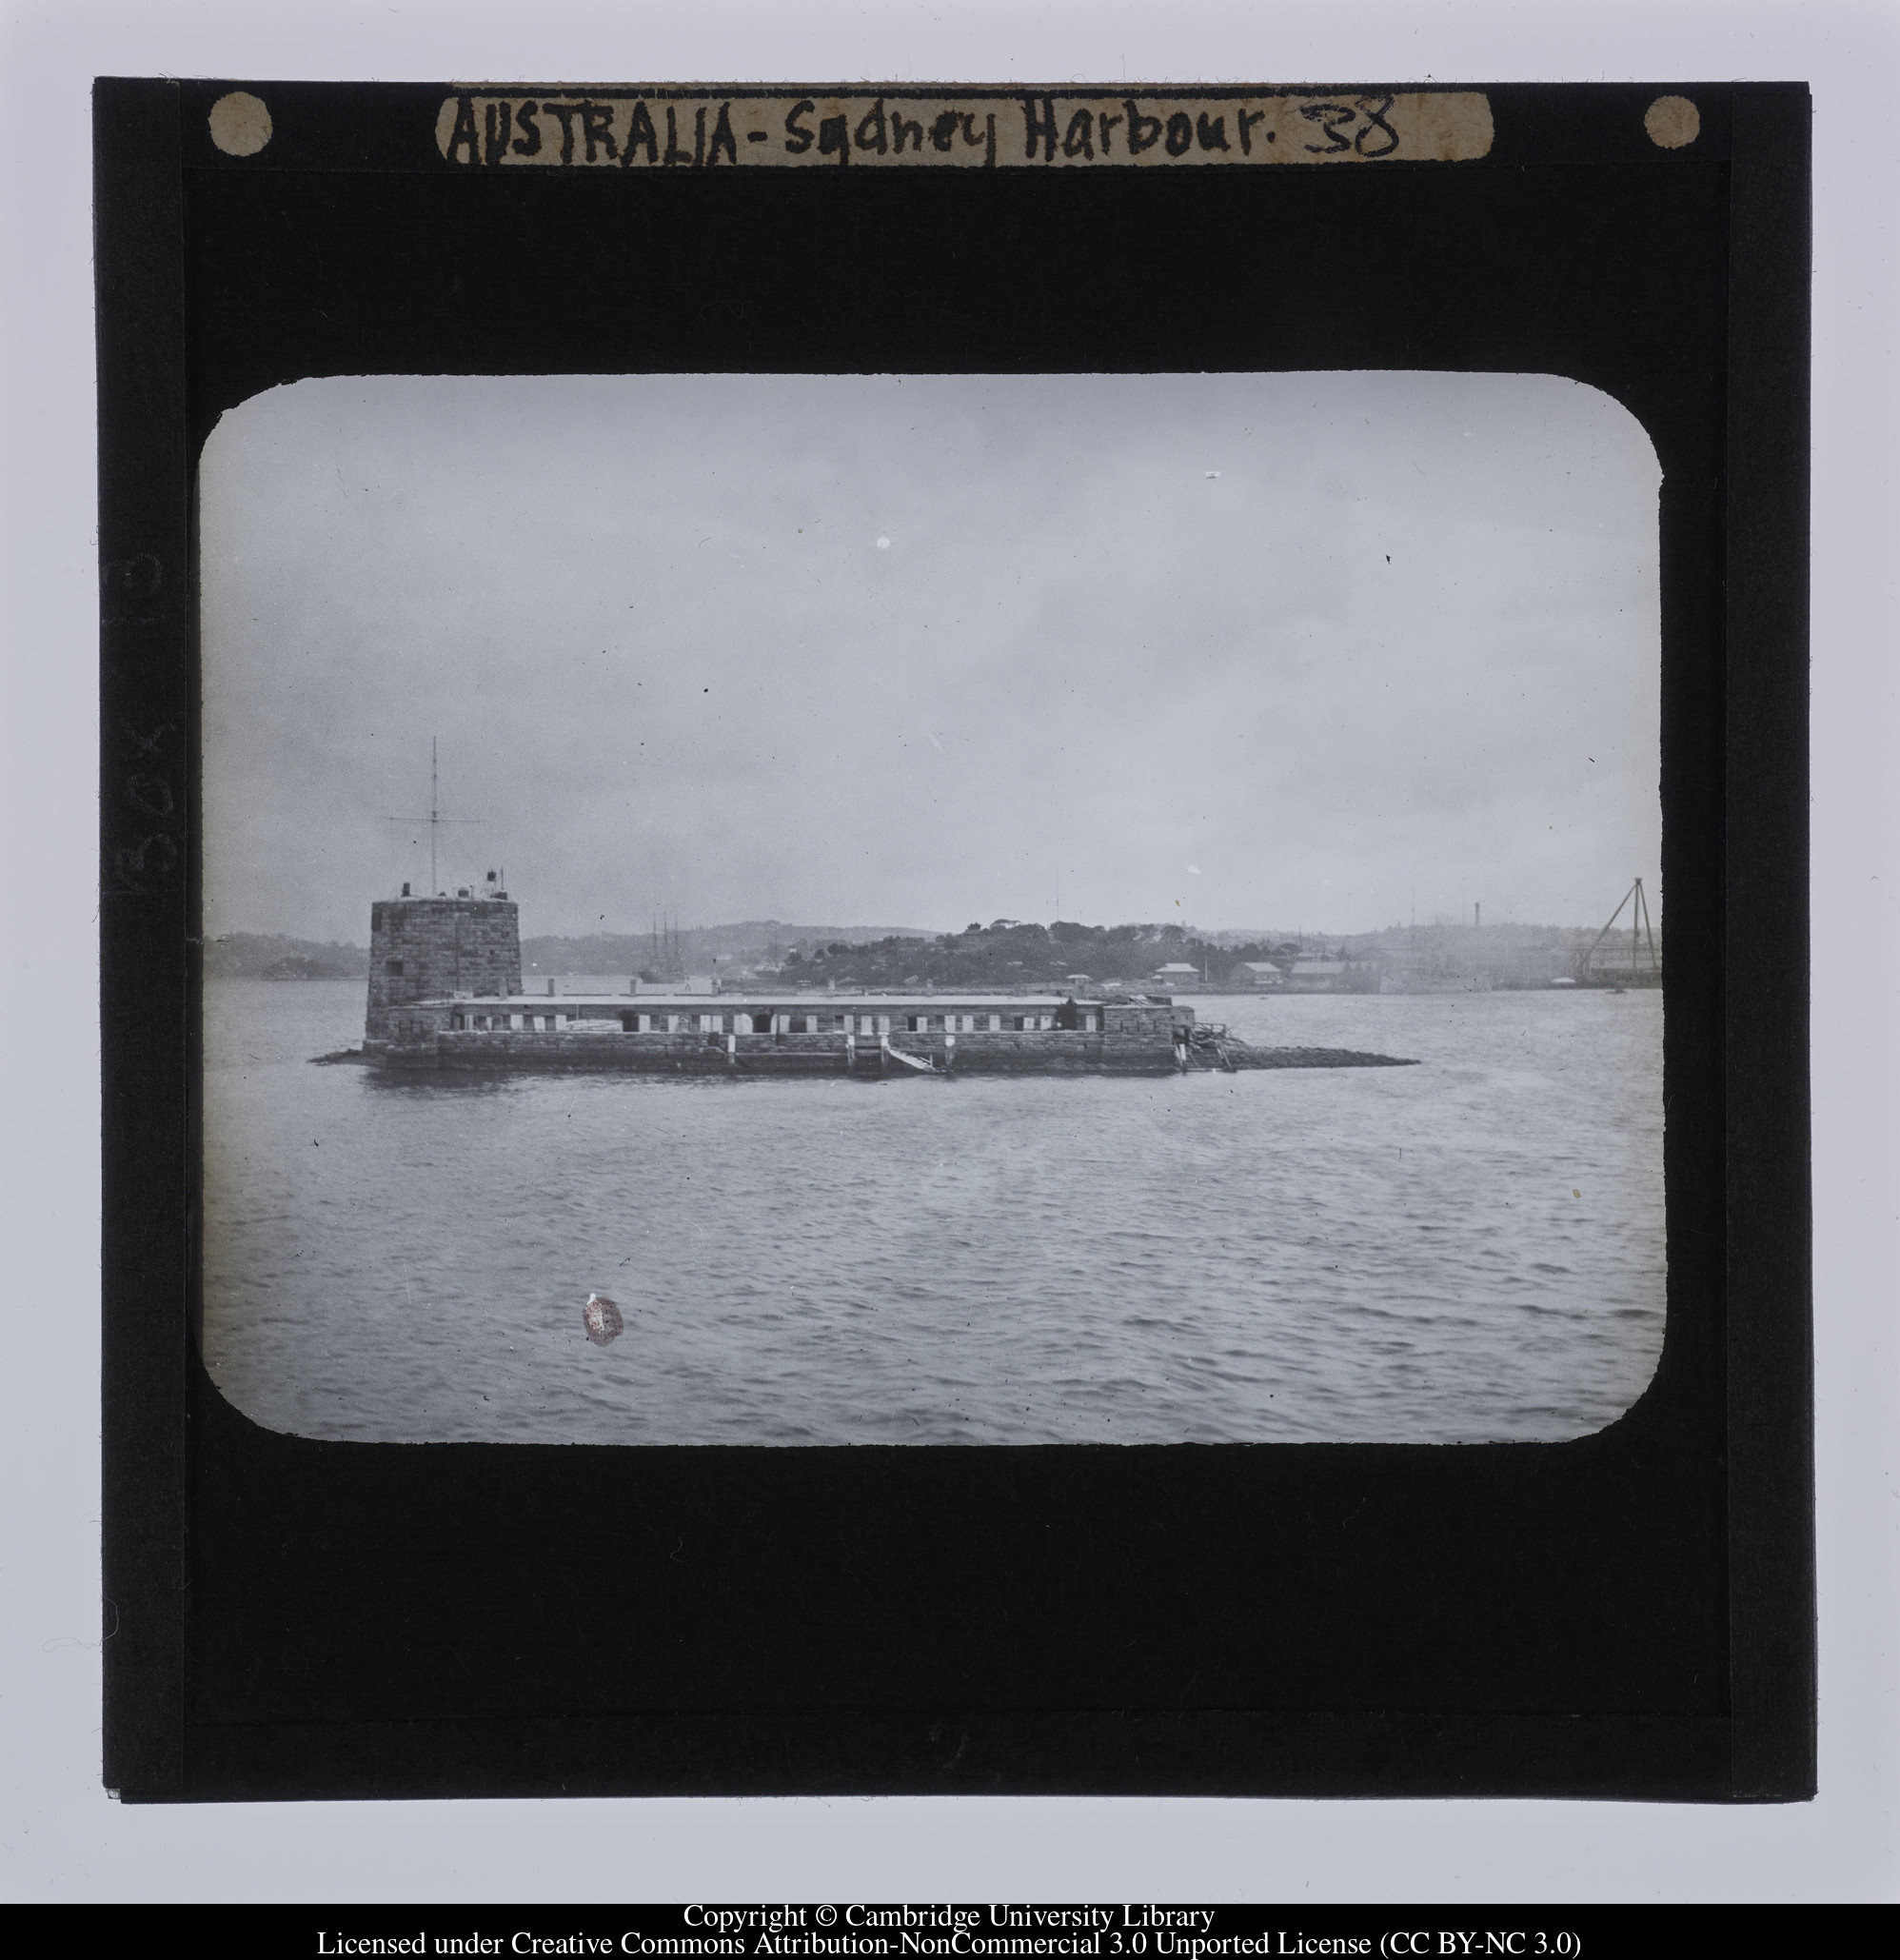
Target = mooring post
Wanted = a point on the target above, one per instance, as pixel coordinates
(883, 1054)
(850, 1051)
(949, 1051)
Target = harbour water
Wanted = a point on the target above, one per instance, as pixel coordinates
(1470, 1250)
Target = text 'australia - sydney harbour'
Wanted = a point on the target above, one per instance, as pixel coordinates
(659, 129)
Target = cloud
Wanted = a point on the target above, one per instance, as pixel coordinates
(665, 674)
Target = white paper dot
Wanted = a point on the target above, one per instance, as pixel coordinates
(884, 543)
(1672, 121)
(240, 123)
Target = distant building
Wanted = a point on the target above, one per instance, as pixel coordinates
(1259, 972)
(1318, 975)
(1176, 973)
(1526, 966)
(563, 986)
(1471, 967)
(1611, 960)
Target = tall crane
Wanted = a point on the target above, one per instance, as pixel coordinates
(1639, 924)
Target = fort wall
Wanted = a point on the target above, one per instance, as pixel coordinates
(432, 949)
(601, 1045)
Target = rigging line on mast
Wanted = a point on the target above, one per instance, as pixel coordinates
(434, 820)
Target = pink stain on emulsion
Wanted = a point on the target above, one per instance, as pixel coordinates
(603, 1320)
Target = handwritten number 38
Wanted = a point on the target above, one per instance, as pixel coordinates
(1335, 118)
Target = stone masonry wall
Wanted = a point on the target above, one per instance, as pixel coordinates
(419, 1042)
(427, 949)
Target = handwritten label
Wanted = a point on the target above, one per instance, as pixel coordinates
(664, 129)
(150, 861)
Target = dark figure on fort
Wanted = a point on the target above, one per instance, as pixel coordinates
(1068, 1015)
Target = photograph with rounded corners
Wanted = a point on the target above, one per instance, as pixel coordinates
(792, 910)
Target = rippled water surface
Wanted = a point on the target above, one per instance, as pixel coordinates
(1467, 1249)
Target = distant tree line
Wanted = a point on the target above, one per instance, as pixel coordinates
(277, 956)
(1014, 953)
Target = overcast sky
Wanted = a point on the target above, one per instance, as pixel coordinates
(1306, 650)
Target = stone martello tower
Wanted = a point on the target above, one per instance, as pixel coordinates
(432, 949)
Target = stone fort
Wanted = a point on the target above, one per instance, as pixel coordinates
(432, 949)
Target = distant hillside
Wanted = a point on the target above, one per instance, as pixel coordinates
(1009, 953)
(277, 956)
(1016, 953)
(752, 943)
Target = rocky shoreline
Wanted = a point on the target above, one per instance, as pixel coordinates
(1240, 1056)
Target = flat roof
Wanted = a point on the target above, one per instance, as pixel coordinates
(790, 1004)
